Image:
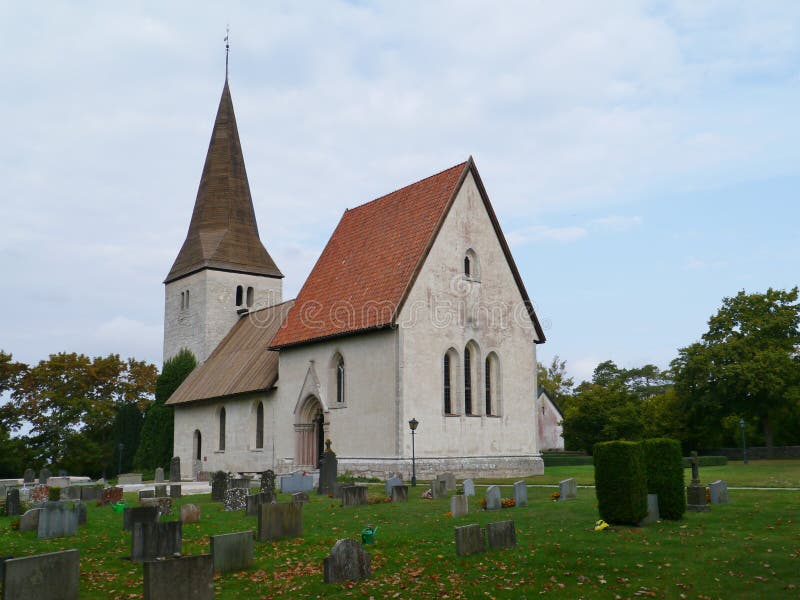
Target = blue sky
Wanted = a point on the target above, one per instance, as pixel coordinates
(641, 156)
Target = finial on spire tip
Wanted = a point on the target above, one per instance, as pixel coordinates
(227, 48)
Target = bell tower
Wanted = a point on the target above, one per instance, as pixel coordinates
(222, 270)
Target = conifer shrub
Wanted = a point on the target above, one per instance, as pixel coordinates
(620, 482)
(665, 476)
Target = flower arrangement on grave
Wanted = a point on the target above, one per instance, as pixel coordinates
(708, 496)
(15, 524)
(482, 503)
(448, 514)
(508, 503)
(600, 525)
(555, 496)
(427, 494)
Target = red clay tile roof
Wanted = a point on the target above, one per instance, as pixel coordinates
(371, 261)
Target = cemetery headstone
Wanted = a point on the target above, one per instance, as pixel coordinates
(39, 493)
(161, 491)
(174, 490)
(112, 495)
(138, 514)
(268, 481)
(236, 499)
(501, 534)
(493, 501)
(567, 489)
(328, 470)
(89, 493)
(29, 476)
(282, 520)
(296, 482)
(439, 488)
(718, 490)
(301, 497)
(469, 487)
(400, 493)
(71, 493)
(12, 502)
(470, 539)
(175, 469)
(458, 505)
(353, 495)
(695, 493)
(143, 494)
(176, 578)
(52, 576)
(219, 485)
(347, 562)
(232, 551)
(59, 482)
(57, 519)
(30, 520)
(391, 482)
(190, 513)
(129, 479)
(449, 481)
(253, 501)
(44, 475)
(520, 494)
(162, 505)
(156, 540)
(159, 478)
(80, 510)
(652, 511)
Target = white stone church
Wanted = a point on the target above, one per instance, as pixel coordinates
(414, 310)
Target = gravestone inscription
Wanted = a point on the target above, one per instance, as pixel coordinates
(52, 576)
(470, 539)
(281, 520)
(176, 578)
(156, 540)
(501, 534)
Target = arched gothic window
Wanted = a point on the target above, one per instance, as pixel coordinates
(222, 428)
(448, 400)
(466, 266)
(467, 380)
(340, 380)
(492, 384)
(471, 265)
(260, 425)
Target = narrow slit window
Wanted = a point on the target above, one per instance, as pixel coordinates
(250, 296)
(340, 381)
(239, 293)
(222, 428)
(260, 425)
(467, 381)
(448, 406)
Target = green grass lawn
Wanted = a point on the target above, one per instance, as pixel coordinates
(748, 549)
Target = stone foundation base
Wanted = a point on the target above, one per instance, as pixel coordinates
(427, 468)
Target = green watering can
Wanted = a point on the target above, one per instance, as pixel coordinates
(368, 535)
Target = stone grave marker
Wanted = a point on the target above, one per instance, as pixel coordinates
(718, 491)
(112, 495)
(161, 491)
(520, 494)
(253, 501)
(175, 490)
(281, 520)
(159, 475)
(469, 487)
(52, 576)
(138, 514)
(439, 488)
(501, 534)
(178, 578)
(400, 493)
(232, 551)
(30, 520)
(235, 499)
(219, 485)
(44, 475)
(197, 469)
(90, 493)
(301, 497)
(470, 539)
(296, 482)
(175, 469)
(71, 493)
(129, 479)
(449, 481)
(459, 506)
(29, 476)
(12, 502)
(59, 482)
(328, 470)
(146, 494)
(268, 481)
(652, 511)
(391, 482)
(80, 510)
(39, 493)
(57, 519)
(353, 495)
(567, 489)
(190, 513)
(239, 483)
(493, 501)
(347, 562)
(156, 540)
(695, 493)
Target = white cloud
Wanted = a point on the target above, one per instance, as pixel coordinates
(618, 223)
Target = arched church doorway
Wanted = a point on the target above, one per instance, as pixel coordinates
(198, 445)
(309, 427)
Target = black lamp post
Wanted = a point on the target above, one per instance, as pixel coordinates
(119, 463)
(744, 439)
(413, 423)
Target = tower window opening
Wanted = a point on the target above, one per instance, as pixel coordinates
(239, 295)
(250, 296)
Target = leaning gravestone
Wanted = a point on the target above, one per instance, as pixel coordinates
(254, 501)
(652, 511)
(328, 470)
(44, 475)
(175, 469)
(190, 513)
(346, 562)
(232, 551)
(30, 520)
(219, 485)
(12, 502)
(501, 534)
(520, 494)
(469, 487)
(718, 490)
(493, 501)
(391, 482)
(567, 489)
(57, 519)
(184, 577)
(52, 576)
(236, 499)
(298, 481)
(159, 478)
(400, 493)
(353, 495)
(458, 505)
(156, 540)
(277, 521)
(139, 514)
(470, 539)
(29, 476)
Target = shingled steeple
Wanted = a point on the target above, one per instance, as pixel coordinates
(223, 234)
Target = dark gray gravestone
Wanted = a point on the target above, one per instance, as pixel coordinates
(458, 505)
(190, 513)
(652, 511)
(3, 560)
(346, 562)
(174, 491)
(567, 489)
(493, 501)
(161, 491)
(253, 501)
(156, 540)
(232, 551)
(57, 519)
(469, 487)
(80, 510)
(72, 492)
(277, 521)
(236, 499)
(44, 475)
(163, 505)
(29, 476)
(268, 481)
(501, 534)
(239, 483)
(139, 514)
(90, 492)
(189, 577)
(353, 495)
(400, 493)
(301, 497)
(470, 539)
(696, 498)
(219, 485)
(159, 477)
(391, 482)
(718, 490)
(328, 470)
(439, 488)
(175, 469)
(449, 481)
(520, 494)
(30, 520)
(12, 502)
(143, 494)
(52, 576)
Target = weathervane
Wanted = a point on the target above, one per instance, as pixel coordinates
(227, 48)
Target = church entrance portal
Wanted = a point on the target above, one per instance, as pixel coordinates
(309, 430)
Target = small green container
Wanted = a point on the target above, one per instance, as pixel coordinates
(368, 536)
(118, 507)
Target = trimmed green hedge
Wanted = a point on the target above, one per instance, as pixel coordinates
(566, 460)
(706, 461)
(665, 476)
(620, 481)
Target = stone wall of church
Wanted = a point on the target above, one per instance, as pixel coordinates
(211, 310)
(447, 309)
